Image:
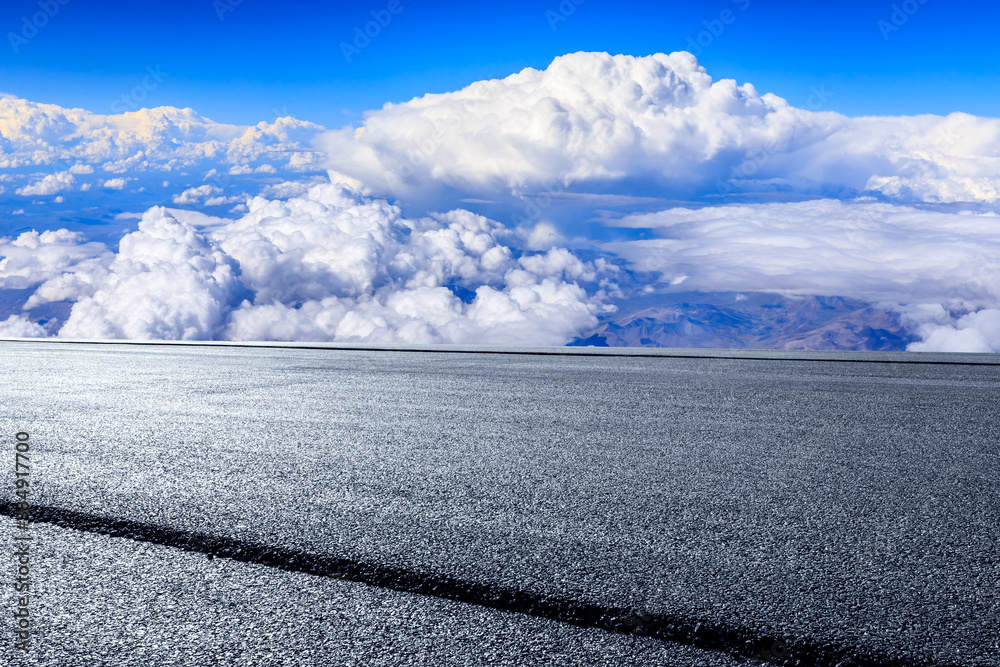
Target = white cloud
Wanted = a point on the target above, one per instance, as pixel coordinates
(166, 282)
(925, 264)
(49, 185)
(219, 201)
(303, 161)
(18, 326)
(164, 138)
(866, 250)
(972, 332)
(616, 124)
(59, 264)
(331, 264)
(196, 194)
(543, 236)
(115, 183)
(209, 195)
(288, 189)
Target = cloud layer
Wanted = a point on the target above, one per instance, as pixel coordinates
(874, 251)
(71, 163)
(164, 138)
(940, 270)
(901, 214)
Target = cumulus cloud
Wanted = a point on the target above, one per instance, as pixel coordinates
(209, 195)
(18, 326)
(332, 264)
(50, 259)
(588, 117)
(542, 236)
(943, 331)
(358, 270)
(194, 195)
(164, 138)
(49, 185)
(115, 183)
(167, 282)
(621, 124)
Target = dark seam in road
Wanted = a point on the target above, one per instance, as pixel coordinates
(540, 353)
(736, 641)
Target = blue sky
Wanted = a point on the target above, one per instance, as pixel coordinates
(265, 59)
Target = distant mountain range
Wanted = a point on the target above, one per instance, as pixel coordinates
(752, 320)
(692, 320)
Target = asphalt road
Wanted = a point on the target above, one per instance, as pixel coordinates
(116, 602)
(828, 504)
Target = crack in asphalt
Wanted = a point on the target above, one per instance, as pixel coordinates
(739, 642)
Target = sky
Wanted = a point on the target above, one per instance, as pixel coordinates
(244, 61)
(516, 173)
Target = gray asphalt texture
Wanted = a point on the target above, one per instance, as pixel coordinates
(850, 504)
(106, 601)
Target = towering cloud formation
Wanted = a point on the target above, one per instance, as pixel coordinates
(589, 117)
(601, 123)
